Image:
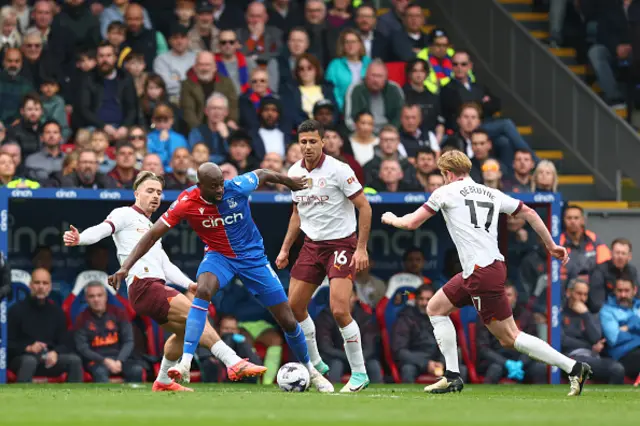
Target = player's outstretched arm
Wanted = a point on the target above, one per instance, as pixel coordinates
(361, 257)
(89, 236)
(174, 274)
(293, 183)
(144, 245)
(292, 235)
(409, 221)
(532, 217)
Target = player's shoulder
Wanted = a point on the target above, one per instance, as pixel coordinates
(334, 164)
(296, 169)
(122, 213)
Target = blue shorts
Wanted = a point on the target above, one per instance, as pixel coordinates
(257, 276)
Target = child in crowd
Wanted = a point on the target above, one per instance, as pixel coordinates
(99, 145)
(53, 105)
(134, 64)
(163, 140)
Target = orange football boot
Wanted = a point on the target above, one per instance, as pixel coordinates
(243, 369)
(171, 387)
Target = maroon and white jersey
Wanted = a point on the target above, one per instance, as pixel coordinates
(325, 207)
(471, 212)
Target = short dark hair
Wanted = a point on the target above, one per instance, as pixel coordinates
(413, 4)
(412, 63)
(46, 123)
(423, 288)
(523, 151)
(426, 151)
(622, 241)
(410, 250)
(466, 52)
(360, 114)
(436, 174)
(626, 277)
(481, 132)
(88, 53)
(124, 144)
(369, 5)
(473, 105)
(239, 136)
(116, 25)
(574, 207)
(31, 96)
(309, 126)
(105, 43)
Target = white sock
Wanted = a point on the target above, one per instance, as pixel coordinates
(309, 366)
(542, 351)
(309, 330)
(165, 365)
(186, 359)
(353, 347)
(446, 337)
(225, 354)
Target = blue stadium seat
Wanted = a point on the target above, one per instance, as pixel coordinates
(20, 281)
(319, 300)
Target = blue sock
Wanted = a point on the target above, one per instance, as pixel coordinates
(298, 344)
(196, 321)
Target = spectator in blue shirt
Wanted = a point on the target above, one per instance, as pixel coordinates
(163, 140)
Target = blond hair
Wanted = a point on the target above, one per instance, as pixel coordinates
(145, 176)
(541, 165)
(454, 161)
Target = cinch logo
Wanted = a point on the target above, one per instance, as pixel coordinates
(212, 222)
(66, 194)
(4, 220)
(282, 198)
(555, 226)
(106, 195)
(374, 198)
(544, 198)
(414, 198)
(21, 193)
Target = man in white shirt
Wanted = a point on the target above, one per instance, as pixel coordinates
(325, 212)
(471, 213)
(148, 294)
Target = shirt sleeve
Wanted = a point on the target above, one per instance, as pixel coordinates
(117, 219)
(436, 200)
(96, 233)
(349, 182)
(245, 184)
(509, 205)
(176, 212)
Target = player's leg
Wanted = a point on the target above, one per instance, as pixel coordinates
(306, 275)
(340, 301)
(442, 304)
(263, 282)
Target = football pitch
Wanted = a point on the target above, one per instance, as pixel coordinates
(226, 404)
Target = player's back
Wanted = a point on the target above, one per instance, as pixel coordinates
(471, 211)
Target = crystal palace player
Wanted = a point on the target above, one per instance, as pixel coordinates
(219, 212)
(471, 212)
(146, 281)
(325, 212)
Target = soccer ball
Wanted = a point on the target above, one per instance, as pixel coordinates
(293, 377)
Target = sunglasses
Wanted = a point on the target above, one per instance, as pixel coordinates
(136, 138)
(490, 168)
(261, 80)
(223, 42)
(460, 64)
(33, 45)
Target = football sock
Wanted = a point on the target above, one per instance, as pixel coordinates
(309, 330)
(353, 347)
(196, 321)
(445, 334)
(165, 365)
(296, 341)
(225, 354)
(540, 350)
(272, 359)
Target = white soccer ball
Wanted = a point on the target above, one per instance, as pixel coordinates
(293, 377)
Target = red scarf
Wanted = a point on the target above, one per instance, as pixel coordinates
(243, 72)
(255, 98)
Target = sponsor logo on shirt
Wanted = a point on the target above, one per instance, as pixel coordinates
(232, 203)
(213, 222)
(311, 199)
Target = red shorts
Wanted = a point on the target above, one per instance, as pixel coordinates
(331, 258)
(484, 289)
(151, 298)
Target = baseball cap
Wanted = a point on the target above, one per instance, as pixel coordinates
(203, 6)
(438, 32)
(177, 29)
(324, 103)
(270, 100)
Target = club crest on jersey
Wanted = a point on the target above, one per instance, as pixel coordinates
(232, 203)
(201, 210)
(322, 182)
(309, 183)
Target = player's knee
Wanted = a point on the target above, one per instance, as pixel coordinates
(342, 314)
(507, 339)
(205, 289)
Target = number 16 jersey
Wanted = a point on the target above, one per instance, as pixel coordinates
(471, 211)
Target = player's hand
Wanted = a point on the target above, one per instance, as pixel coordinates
(71, 237)
(389, 218)
(598, 347)
(51, 359)
(116, 279)
(282, 260)
(193, 287)
(299, 183)
(360, 259)
(559, 253)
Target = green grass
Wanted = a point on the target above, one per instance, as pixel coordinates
(391, 405)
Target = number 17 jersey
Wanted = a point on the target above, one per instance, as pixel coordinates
(471, 211)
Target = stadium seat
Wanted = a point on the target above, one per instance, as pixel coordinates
(396, 71)
(20, 281)
(319, 300)
(474, 353)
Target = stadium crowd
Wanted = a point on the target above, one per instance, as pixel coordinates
(95, 91)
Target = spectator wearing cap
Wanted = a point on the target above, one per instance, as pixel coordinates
(232, 63)
(325, 112)
(149, 42)
(27, 130)
(297, 44)
(13, 86)
(308, 88)
(259, 41)
(178, 178)
(202, 80)
(439, 55)
(333, 144)
(581, 335)
(376, 45)
(285, 14)
(418, 90)
(349, 67)
(124, 172)
(214, 132)
(240, 152)
(391, 21)
(107, 96)
(410, 40)
(49, 159)
(377, 94)
(86, 174)
(521, 179)
(115, 12)
(173, 65)
(249, 102)
(322, 38)
(53, 107)
(226, 14)
(413, 134)
(163, 140)
(8, 178)
(270, 136)
(204, 34)
(602, 279)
